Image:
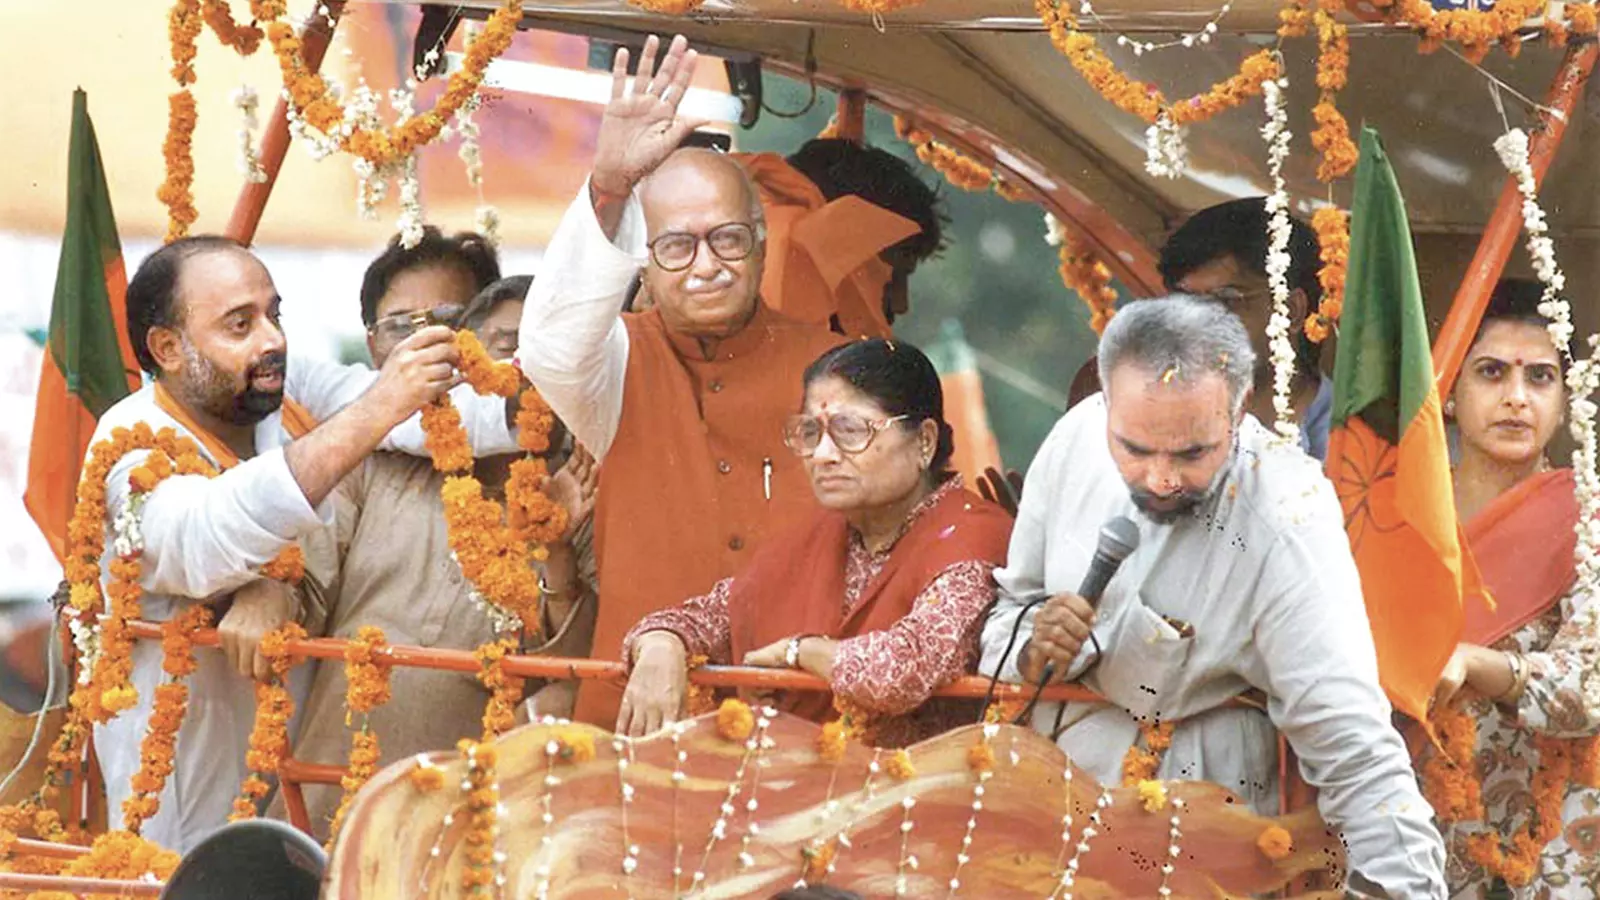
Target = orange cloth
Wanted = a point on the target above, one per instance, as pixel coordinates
(822, 257)
(795, 585)
(296, 421)
(683, 502)
(1524, 544)
(976, 449)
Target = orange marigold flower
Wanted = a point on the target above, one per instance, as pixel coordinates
(900, 767)
(980, 757)
(831, 742)
(1275, 843)
(1153, 794)
(735, 720)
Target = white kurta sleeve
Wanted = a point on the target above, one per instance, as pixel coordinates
(572, 343)
(204, 536)
(1317, 664)
(324, 388)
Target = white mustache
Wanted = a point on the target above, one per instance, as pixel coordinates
(723, 278)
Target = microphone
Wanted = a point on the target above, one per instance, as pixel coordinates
(1119, 537)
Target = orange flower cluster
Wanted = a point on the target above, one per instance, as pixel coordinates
(383, 148)
(491, 544)
(364, 756)
(1450, 782)
(118, 855)
(980, 756)
(735, 720)
(575, 744)
(957, 168)
(184, 23)
(701, 699)
(816, 858)
(500, 715)
(899, 767)
(668, 7)
(444, 436)
(1332, 226)
(269, 736)
(1140, 764)
(1141, 98)
(832, 741)
(1275, 843)
(480, 370)
(426, 777)
(242, 38)
(1477, 31)
(366, 674)
(483, 801)
(1004, 712)
(1332, 135)
(157, 752)
(1085, 275)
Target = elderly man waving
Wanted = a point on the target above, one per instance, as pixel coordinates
(683, 404)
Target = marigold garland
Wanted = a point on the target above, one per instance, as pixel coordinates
(1332, 226)
(816, 860)
(156, 753)
(119, 855)
(1451, 783)
(1141, 98)
(1477, 31)
(366, 672)
(574, 744)
(832, 741)
(1084, 274)
(1141, 764)
(500, 714)
(382, 147)
(269, 736)
(184, 23)
(957, 168)
(701, 698)
(483, 802)
(244, 39)
(1332, 135)
(980, 756)
(1152, 795)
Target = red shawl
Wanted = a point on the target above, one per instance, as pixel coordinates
(796, 583)
(1523, 543)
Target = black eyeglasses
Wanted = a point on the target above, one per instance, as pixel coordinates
(402, 325)
(850, 433)
(675, 251)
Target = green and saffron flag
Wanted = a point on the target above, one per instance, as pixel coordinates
(1387, 455)
(88, 362)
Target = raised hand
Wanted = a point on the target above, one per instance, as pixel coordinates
(574, 488)
(641, 128)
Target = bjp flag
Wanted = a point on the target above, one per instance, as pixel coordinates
(88, 362)
(1387, 455)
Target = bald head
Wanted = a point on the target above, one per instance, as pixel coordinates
(695, 172)
(703, 199)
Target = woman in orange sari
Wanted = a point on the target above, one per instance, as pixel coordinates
(881, 593)
(1529, 665)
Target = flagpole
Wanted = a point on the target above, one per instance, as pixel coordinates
(252, 202)
(1505, 225)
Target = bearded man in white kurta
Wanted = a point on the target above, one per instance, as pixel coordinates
(1242, 583)
(203, 320)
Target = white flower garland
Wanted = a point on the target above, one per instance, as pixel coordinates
(1583, 376)
(244, 99)
(1140, 48)
(1276, 132)
(1166, 155)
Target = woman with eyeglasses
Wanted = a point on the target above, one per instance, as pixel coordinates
(881, 593)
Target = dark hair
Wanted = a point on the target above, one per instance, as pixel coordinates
(469, 251)
(152, 295)
(512, 287)
(839, 168)
(1515, 300)
(1238, 229)
(899, 378)
(817, 892)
